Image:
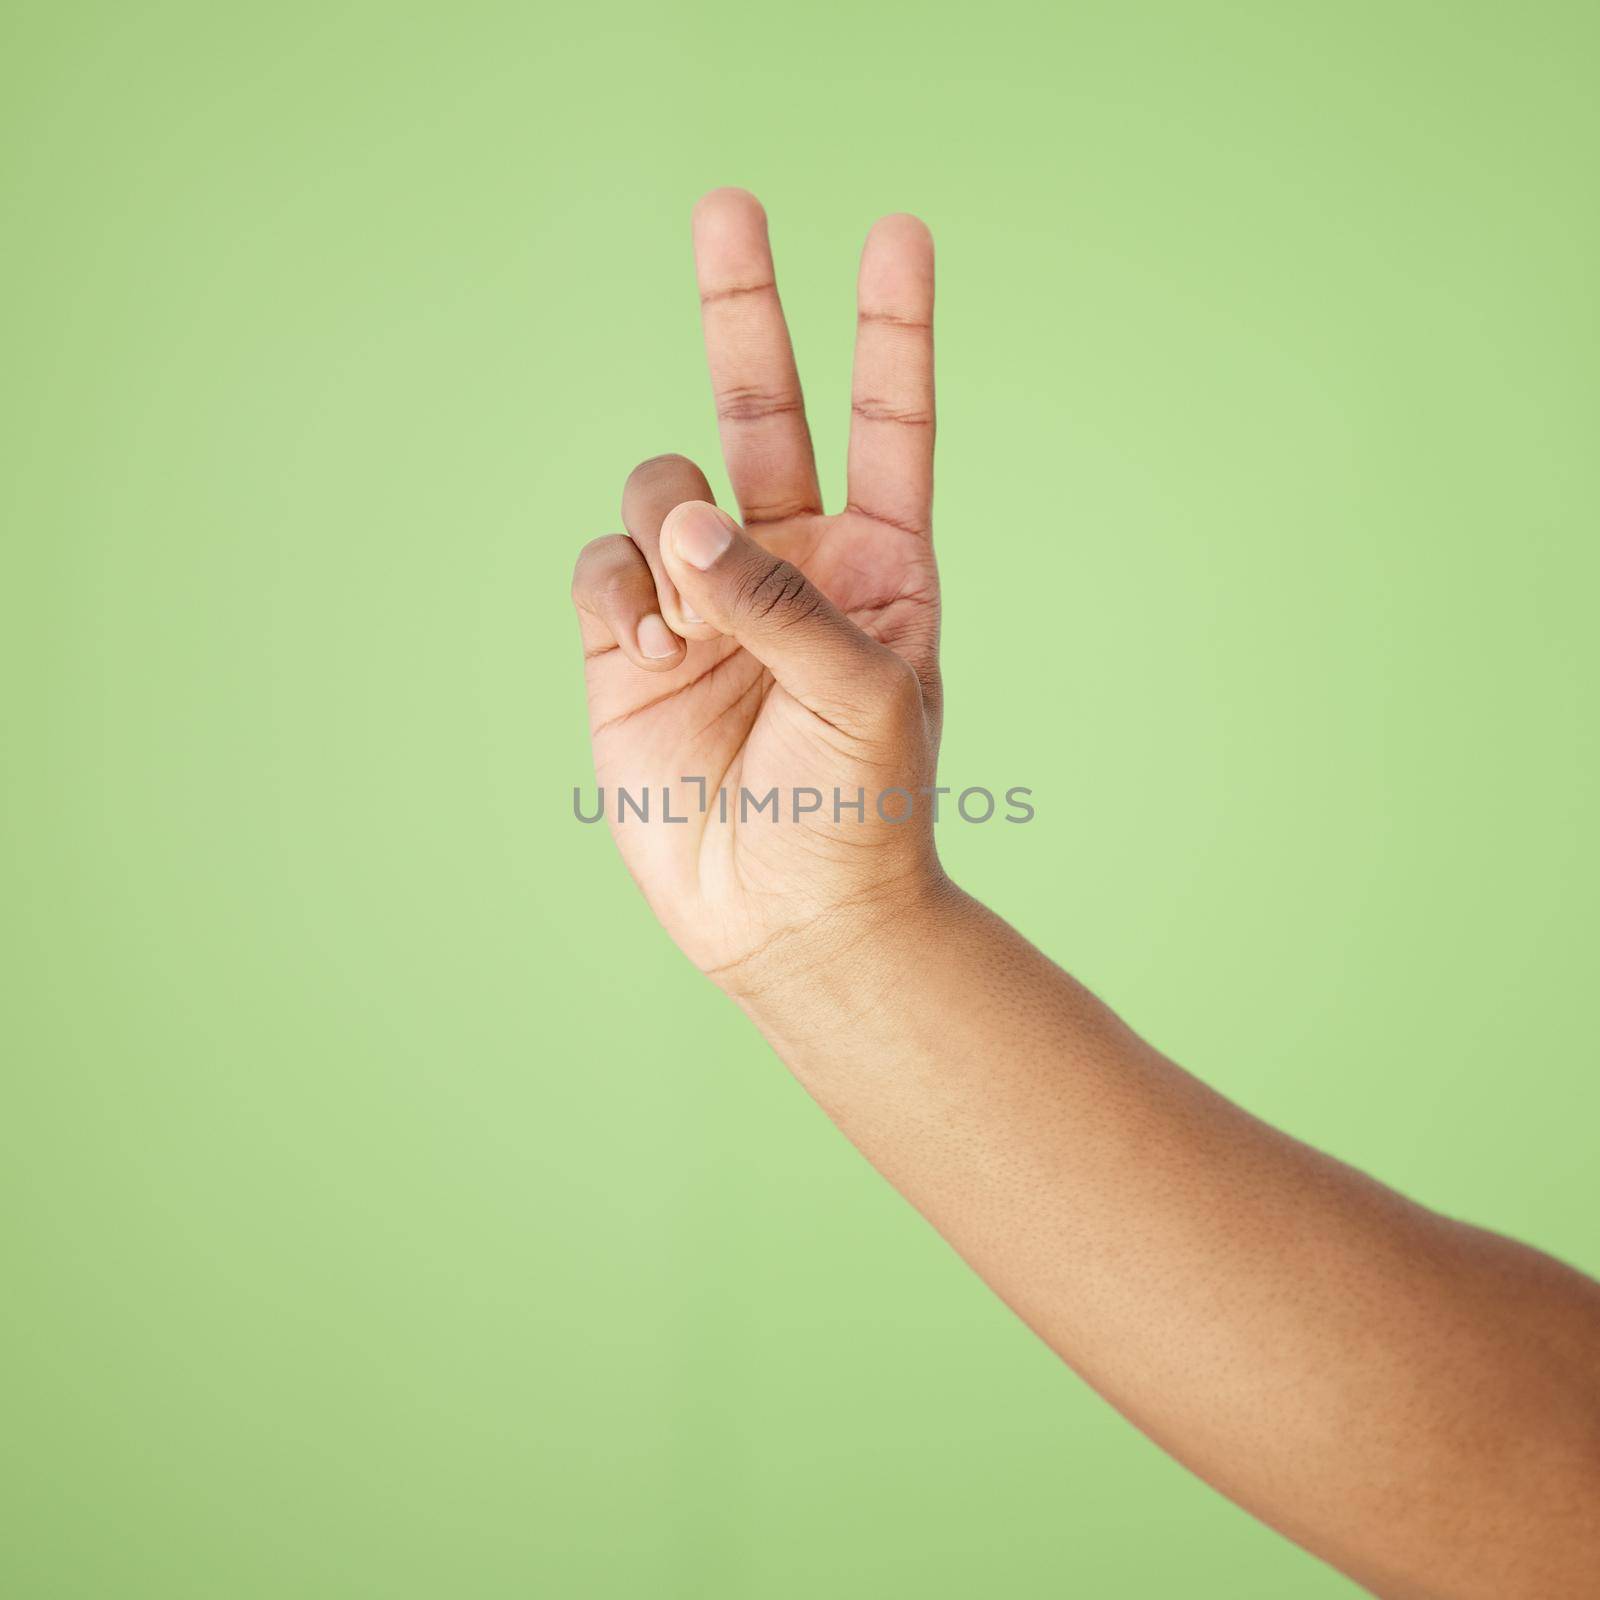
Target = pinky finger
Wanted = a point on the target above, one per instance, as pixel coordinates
(615, 596)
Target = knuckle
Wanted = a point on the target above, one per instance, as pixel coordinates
(602, 567)
(753, 403)
(777, 593)
(653, 466)
(899, 686)
(602, 548)
(870, 408)
(885, 701)
(613, 589)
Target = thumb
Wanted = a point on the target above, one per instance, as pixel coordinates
(814, 651)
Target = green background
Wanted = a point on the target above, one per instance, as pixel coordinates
(388, 1210)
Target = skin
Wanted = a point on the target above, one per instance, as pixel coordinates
(1414, 1400)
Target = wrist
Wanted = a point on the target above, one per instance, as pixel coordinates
(850, 961)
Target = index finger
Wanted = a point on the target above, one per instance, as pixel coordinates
(760, 410)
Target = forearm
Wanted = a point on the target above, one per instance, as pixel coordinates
(1414, 1399)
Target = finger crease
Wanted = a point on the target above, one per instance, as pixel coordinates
(882, 411)
(756, 405)
(734, 291)
(661, 699)
(782, 511)
(889, 319)
(887, 521)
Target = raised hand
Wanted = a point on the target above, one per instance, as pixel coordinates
(797, 653)
(1415, 1400)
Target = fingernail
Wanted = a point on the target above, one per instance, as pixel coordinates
(700, 533)
(692, 618)
(656, 639)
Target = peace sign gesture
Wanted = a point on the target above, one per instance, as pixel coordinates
(797, 653)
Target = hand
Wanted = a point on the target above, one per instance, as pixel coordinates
(799, 653)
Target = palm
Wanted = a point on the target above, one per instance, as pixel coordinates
(718, 715)
(882, 577)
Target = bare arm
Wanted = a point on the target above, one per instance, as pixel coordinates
(1414, 1400)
